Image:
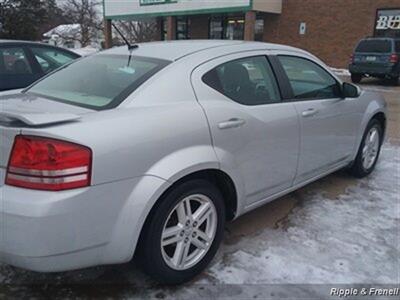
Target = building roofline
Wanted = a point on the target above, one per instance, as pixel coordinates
(178, 13)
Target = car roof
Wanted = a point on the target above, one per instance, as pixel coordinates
(32, 43)
(175, 50)
(382, 38)
(21, 42)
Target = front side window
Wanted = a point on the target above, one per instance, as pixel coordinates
(50, 59)
(248, 81)
(309, 80)
(99, 81)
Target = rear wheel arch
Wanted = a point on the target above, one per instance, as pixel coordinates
(215, 176)
(221, 180)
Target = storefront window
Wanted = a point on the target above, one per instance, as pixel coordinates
(216, 28)
(164, 29)
(234, 29)
(182, 28)
(227, 28)
(259, 30)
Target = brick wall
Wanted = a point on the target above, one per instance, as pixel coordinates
(333, 26)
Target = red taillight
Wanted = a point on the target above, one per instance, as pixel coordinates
(48, 164)
(394, 58)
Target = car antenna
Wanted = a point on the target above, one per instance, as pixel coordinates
(131, 47)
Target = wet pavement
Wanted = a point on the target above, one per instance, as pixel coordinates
(276, 244)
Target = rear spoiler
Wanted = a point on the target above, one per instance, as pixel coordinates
(37, 119)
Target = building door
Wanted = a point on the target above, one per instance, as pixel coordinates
(234, 28)
(182, 28)
(226, 27)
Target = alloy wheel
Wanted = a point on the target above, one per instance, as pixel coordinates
(371, 148)
(189, 232)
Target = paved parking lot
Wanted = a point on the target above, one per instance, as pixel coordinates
(337, 230)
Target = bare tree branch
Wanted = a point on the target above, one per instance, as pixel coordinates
(86, 14)
(138, 31)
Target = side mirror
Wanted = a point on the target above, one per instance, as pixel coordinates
(350, 90)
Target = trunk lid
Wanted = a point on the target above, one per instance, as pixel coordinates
(34, 110)
(19, 110)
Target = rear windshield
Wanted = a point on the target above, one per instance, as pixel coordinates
(374, 46)
(98, 82)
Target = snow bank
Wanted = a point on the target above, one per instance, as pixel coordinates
(85, 51)
(352, 239)
(340, 72)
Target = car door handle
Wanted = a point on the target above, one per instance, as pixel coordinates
(309, 112)
(232, 123)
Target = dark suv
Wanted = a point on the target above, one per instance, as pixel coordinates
(376, 57)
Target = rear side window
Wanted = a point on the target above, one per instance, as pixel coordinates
(374, 46)
(248, 81)
(15, 69)
(13, 61)
(308, 80)
(50, 59)
(98, 82)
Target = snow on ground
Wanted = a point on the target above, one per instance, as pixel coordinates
(352, 238)
(340, 72)
(86, 51)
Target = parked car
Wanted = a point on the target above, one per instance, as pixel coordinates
(376, 57)
(151, 153)
(22, 63)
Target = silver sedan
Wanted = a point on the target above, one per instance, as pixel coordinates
(147, 152)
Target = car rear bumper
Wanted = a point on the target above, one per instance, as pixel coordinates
(374, 70)
(58, 231)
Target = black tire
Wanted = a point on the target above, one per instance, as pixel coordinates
(356, 78)
(394, 80)
(149, 255)
(357, 169)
